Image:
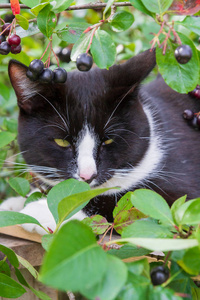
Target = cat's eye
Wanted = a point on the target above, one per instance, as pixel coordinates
(62, 143)
(108, 142)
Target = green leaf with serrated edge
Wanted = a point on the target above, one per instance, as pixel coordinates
(190, 262)
(81, 45)
(112, 282)
(185, 212)
(176, 206)
(123, 204)
(9, 288)
(108, 6)
(47, 240)
(157, 6)
(72, 32)
(46, 20)
(98, 224)
(33, 197)
(6, 138)
(3, 155)
(73, 248)
(146, 228)
(63, 190)
(20, 185)
(69, 204)
(160, 293)
(61, 5)
(103, 49)
(30, 3)
(9, 218)
(22, 21)
(10, 255)
(183, 78)
(35, 10)
(191, 23)
(138, 4)
(26, 264)
(121, 21)
(126, 218)
(128, 250)
(159, 244)
(152, 204)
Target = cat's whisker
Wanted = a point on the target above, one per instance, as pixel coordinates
(50, 126)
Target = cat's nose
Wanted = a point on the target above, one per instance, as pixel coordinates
(88, 177)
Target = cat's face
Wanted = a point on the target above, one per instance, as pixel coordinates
(89, 128)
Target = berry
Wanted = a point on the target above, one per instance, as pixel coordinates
(196, 92)
(198, 121)
(64, 54)
(8, 18)
(183, 54)
(36, 66)
(6, 27)
(46, 76)
(15, 49)
(14, 40)
(2, 38)
(194, 123)
(159, 275)
(60, 75)
(4, 48)
(32, 76)
(84, 62)
(188, 114)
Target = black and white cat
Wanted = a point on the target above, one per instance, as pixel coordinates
(102, 127)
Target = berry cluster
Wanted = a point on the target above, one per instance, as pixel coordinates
(37, 71)
(13, 41)
(159, 275)
(84, 62)
(183, 54)
(192, 118)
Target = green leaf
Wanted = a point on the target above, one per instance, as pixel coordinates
(9, 218)
(175, 206)
(188, 213)
(157, 6)
(47, 240)
(22, 21)
(123, 204)
(121, 21)
(9, 288)
(72, 32)
(33, 197)
(138, 4)
(35, 10)
(98, 224)
(10, 255)
(61, 5)
(6, 138)
(112, 282)
(195, 293)
(152, 204)
(183, 78)
(128, 251)
(191, 23)
(108, 6)
(158, 244)
(162, 293)
(4, 91)
(3, 155)
(30, 3)
(25, 263)
(46, 20)
(190, 262)
(20, 185)
(103, 49)
(139, 267)
(62, 190)
(73, 254)
(81, 45)
(4, 268)
(11, 125)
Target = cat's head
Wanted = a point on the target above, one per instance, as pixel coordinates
(89, 127)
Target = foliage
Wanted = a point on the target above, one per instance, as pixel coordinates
(143, 219)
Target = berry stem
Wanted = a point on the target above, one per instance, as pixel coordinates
(54, 55)
(91, 39)
(109, 228)
(45, 50)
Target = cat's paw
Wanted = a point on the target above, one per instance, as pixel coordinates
(13, 204)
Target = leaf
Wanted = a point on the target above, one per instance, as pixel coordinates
(160, 293)
(33, 197)
(97, 223)
(139, 267)
(188, 213)
(3, 155)
(33, 29)
(81, 45)
(30, 3)
(108, 6)
(15, 7)
(20, 185)
(121, 21)
(152, 204)
(138, 4)
(4, 268)
(185, 7)
(10, 254)
(11, 125)
(183, 78)
(190, 262)
(9, 218)
(126, 218)
(35, 10)
(61, 5)
(175, 206)
(47, 240)
(72, 32)
(46, 20)
(103, 49)
(22, 21)
(112, 282)
(157, 6)
(128, 251)
(6, 138)
(73, 254)
(191, 23)
(4, 91)
(63, 190)
(9, 288)
(25, 263)
(157, 244)
(123, 204)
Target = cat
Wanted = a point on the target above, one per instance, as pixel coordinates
(106, 128)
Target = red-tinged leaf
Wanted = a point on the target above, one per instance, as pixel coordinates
(98, 223)
(185, 7)
(15, 7)
(126, 218)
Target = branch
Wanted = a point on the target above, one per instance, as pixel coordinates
(74, 7)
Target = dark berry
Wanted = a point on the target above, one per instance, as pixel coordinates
(64, 54)
(194, 123)
(46, 76)
(8, 18)
(198, 121)
(159, 275)
(36, 66)
(183, 54)
(60, 75)
(6, 29)
(2, 38)
(32, 76)
(4, 48)
(196, 92)
(188, 114)
(84, 62)
(15, 49)
(14, 40)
